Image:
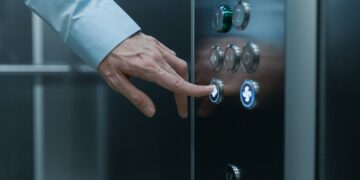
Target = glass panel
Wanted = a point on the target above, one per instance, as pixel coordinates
(57, 52)
(71, 128)
(16, 120)
(15, 32)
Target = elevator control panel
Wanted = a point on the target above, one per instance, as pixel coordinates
(239, 49)
(232, 172)
(233, 57)
(248, 94)
(218, 93)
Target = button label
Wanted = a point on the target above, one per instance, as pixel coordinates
(248, 93)
(216, 95)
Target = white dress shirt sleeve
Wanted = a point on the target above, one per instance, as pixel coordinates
(92, 28)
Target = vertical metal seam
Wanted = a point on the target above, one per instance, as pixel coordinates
(38, 99)
(101, 148)
(321, 85)
(192, 100)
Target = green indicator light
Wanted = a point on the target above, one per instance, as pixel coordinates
(222, 20)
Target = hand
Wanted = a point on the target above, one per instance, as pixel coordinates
(145, 57)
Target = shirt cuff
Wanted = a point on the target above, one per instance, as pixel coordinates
(94, 36)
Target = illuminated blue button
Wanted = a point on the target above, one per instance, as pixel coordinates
(248, 93)
(217, 95)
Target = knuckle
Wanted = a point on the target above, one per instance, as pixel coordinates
(179, 82)
(184, 68)
(149, 69)
(136, 99)
(148, 65)
(157, 57)
(151, 38)
(152, 54)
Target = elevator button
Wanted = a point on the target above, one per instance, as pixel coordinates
(241, 15)
(250, 58)
(216, 58)
(248, 94)
(222, 19)
(232, 58)
(232, 172)
(217, 95)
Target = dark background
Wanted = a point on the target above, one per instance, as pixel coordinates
(339, 68)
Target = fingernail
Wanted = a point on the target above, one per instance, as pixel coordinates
(212, 88)
(183, 114)
(149, 112)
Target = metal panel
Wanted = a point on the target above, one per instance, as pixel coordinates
(301, 39)
(229, 133)
(339, 147)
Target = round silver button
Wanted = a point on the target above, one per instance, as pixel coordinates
(250, 58)
(241, 15)
(232, 172)
(216, 58)
(217, 95)
(232, 58)
(222, 18)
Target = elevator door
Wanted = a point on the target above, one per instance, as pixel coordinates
(238, 129)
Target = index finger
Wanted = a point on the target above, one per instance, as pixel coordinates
(177, 84)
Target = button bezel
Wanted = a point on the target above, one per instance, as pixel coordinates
(219, 85)
(236, 57)
(245, 9)
(219, 54)
(222, 20)
(232, 172)
(254, 89)
(252, 50)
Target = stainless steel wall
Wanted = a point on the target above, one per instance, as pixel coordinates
(338, 83)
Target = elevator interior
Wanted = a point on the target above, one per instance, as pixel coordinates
(290, 111)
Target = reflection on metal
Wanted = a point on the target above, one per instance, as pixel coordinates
(43, 69)
(301, 90)
(232, 172)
